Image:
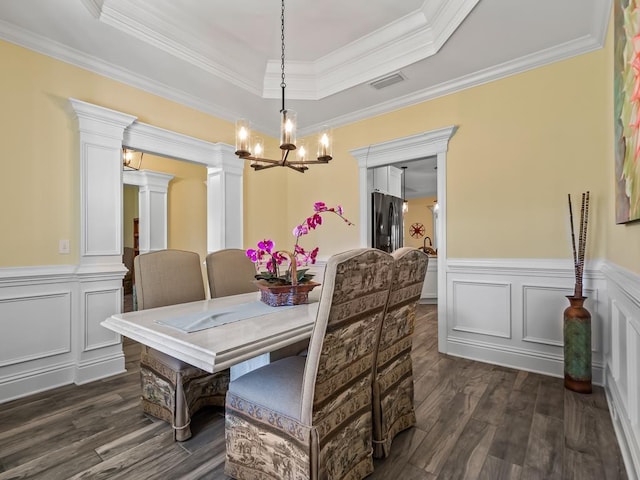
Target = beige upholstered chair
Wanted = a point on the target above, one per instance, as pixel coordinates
(393, 376)
(230, 272)
(310, 417)
(173, 390)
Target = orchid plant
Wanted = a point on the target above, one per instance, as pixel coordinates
(268, 260)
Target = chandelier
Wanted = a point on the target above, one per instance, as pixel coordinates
(251, 148)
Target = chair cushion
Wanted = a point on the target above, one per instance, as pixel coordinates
(277, 386)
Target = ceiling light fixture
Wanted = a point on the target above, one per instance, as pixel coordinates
(405, 203)
(252, 149)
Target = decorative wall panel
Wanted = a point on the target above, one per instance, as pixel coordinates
(492, 299)
(99, 305)
(34, 327)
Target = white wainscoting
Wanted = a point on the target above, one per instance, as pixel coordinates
(50, 322)
(510, 312)
(622, 354)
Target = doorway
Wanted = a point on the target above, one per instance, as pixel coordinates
(434, 143)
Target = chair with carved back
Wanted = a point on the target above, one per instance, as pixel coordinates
(310, 417)
(173, 390)
(392, 392)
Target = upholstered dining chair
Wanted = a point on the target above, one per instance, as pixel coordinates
(230, 272)
(392, 392)
(310, 417)
(173, 390)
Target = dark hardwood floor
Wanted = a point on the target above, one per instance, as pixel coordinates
(475, 421)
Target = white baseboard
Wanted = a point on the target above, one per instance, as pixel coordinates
(31, 382)
(627, 440)
(50, 321)
(102, 367)
(527, 360)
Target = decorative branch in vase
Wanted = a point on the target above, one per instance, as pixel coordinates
(577, 319)
(579, 250)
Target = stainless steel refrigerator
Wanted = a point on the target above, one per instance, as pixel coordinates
(386, 222)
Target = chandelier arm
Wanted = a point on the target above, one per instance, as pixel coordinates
(285, 154)
(264, 167)
(297, 169)
(307, 162)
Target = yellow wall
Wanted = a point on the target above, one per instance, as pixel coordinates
(130, 210)
(522, 144)
(39, 185)
(419, 212)
(186, 203)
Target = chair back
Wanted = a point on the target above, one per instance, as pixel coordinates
(336, 392)
(393, 409)
(167, 277)
(230, 272)
(410, 268)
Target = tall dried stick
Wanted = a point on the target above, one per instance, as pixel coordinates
(583, 238)
(573, 235)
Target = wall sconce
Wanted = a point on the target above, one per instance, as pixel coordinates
(131, 159)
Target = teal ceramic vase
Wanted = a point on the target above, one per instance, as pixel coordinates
(577, 346)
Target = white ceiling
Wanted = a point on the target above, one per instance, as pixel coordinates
(223, 57)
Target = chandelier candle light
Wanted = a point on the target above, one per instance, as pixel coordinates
(577, 319)
(252, 149)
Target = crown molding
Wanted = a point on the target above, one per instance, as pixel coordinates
(58, 51)
(94, 7)
(141, 23)
(409, 39)
(564, 51)
(71, 56)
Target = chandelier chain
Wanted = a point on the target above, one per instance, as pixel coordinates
(282, 84)
(250, 148)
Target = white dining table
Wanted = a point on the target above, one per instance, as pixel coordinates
(219, 347)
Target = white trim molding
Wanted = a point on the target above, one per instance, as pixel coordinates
(510, 312)
(622, 357)
(153, 190)
(51, 315)
(432, 143)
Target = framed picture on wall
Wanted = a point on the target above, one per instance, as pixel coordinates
(627, 109)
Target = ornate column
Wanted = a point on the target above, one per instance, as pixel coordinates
(224, 199)
(100, 271)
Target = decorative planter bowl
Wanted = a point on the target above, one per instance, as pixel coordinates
(281, 295)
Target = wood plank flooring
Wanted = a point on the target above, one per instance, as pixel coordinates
(475, 421)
